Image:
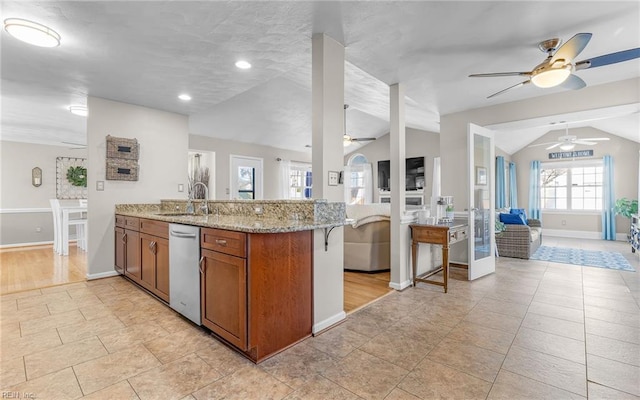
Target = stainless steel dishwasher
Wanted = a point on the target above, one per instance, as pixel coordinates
(184, 270)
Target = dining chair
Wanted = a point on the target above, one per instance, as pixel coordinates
(58, 229)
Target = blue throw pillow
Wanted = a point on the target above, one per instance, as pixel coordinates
(512, 219)
(519, 211)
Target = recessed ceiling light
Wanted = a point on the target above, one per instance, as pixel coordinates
(184, 97)
(32, 32)
(243, 64)
(79, 110)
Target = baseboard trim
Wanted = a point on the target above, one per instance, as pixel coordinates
(27, 244)
(334, 319)
(400, 286)
(579, 234)
(101, 275)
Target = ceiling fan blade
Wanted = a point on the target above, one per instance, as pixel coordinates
(75, 144)
(362, 139)
(595, 139)
(498, 74)
(553, 146)
(573, 82)
(541, 144)
(610, 58)
(509, 88)
(571, 48)
(585, 142)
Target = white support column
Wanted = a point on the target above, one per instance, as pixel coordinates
(399, 231)
(327, 89)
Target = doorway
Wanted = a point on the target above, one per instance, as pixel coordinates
(245, 181)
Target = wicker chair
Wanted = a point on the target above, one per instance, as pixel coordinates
(520, 241)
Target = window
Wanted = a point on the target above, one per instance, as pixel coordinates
(358, 183)
(577, 188)
(299, 181)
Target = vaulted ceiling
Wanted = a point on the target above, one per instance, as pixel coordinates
(147, 53)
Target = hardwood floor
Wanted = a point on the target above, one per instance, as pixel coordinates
(362, 288)
(27, 268)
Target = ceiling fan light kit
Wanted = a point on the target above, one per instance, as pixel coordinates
(32, 32)
(79, 110)
(551, 77)
(347, 139)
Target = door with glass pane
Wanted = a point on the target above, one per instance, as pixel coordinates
(246, 178)
(481, 201)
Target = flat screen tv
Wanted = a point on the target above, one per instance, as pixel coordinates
(414, 174)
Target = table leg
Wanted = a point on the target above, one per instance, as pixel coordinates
(445, 265)
(414, 260)
(65, 233)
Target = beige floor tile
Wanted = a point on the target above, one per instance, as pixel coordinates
(225, 360)
(28, 302)
(623, 294)
(11, 372)
(510, 296)
(298, 365)
(246, 383)
(561, 289)
(599, 392)
(399, 394)
(33, 326)
(481, 363)
(62, 306)
(367, 324)
(554, 371)
(509, 386)
(20, 295)
(86, 329)
(7, 306)
(613, 374)
(365, 375)
(38, 311)
(612, 331)
(10, 331)
(58, 385)
(615, 317)
(105, 371)
(560, 327)
(627, 306)
(177, 345)
(502, 307)
(175, 379)
(427, 329)
(612, 349)
(481, 336)
(130, 335)
(320, 388)
(338, 341)
(63, 288)
(30, 344)
(493, 320)
(558, 300)
(172, 323)
(554, 345)
(551, 310)
(431, 380)
(189, 397)
(405, 351)
(96, 312)
(120, 391)
(67, 355)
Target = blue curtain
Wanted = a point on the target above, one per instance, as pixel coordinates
(500, 184)
(513, 186)
(534, 190)
(608, 201)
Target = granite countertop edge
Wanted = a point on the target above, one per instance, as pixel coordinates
(236, 223)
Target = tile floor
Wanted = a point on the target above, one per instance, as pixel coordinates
(532, 330)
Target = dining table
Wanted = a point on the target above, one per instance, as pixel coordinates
(67, 210)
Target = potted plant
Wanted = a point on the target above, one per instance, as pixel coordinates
(449, 210)
(626, 207)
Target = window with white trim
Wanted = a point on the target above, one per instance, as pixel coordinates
(574, 187)
(300, 181)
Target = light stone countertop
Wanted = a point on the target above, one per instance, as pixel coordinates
(249, 224)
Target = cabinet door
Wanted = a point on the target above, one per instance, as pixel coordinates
(132, 264)
(120, 250)
(224, 296)
(147, 261)
(162, 269)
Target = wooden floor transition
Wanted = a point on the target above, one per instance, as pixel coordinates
(27, 268)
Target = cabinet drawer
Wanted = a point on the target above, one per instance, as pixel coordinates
(430, 235)
(227, 242)
(155, 228)
(120, 221)
(132, 223)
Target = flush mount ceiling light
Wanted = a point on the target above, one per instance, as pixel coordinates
(32, 32)
(243, 64)
(551, 77)
(567, 146)
(184, 97)
(79, 110)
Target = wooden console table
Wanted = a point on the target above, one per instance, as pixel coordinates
(443, 235)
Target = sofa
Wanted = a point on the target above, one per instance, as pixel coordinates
(367, 239)
(519, 241)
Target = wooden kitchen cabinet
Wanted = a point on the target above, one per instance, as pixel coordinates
(132, 254)
(154, 274)
(120, 255)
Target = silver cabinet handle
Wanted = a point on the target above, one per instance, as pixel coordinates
(124, 237)
(200, 264)
(221, 242)
(183, 234)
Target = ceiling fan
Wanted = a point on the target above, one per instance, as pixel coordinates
(558, 67)
(78, 146)
(347, 139)
(567, 142)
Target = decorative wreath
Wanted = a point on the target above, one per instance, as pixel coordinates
(77, 176)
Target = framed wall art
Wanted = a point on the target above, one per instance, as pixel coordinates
(71, 178)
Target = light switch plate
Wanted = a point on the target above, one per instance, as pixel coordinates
(180, 187)
(99, 186)
(333, 178)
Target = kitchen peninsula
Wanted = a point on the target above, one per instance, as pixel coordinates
(255, 270)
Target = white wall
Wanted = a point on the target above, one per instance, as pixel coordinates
(419, 143)
(625, 160)
(453, 132)
(16, 162)
(224, 148)
(163, 139)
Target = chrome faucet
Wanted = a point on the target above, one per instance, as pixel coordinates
(205, 204)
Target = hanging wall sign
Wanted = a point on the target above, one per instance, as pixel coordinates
(570, 154)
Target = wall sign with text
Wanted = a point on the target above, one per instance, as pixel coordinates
(571, 154)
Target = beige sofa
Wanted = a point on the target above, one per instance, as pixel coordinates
(367, 240)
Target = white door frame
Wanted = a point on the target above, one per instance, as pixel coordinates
(258, 164)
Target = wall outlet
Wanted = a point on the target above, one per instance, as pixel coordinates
(38, 229)
(99, 186)
(258, 210)
(180, 187)
(564, 222)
